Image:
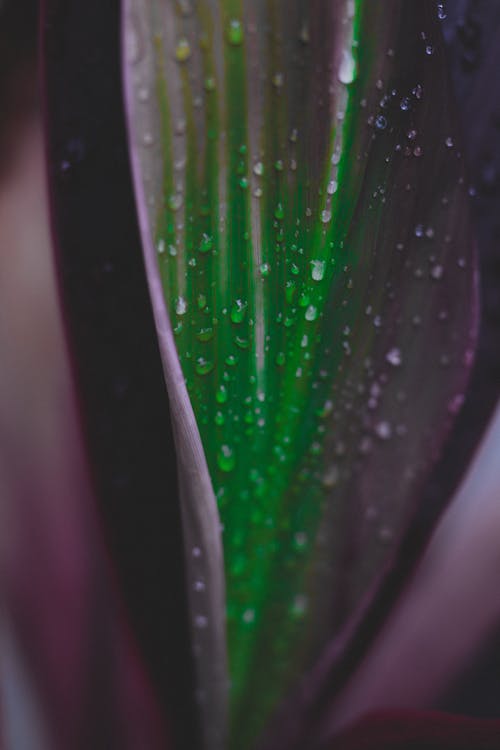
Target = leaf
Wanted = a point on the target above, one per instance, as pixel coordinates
(110, 328)
(297, 170)
(408, 730)
(454, 582)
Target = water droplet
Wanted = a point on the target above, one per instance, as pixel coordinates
(203, 366)
(394, 357)
(437, 272)
(380, 122)
(347, 69)
(222, 394)
(238, 311)
(235, 32)
(199, 586)
(318, 270)
(248, 616)
(258, 169)
(205, 334)
(241, 342)
(206, 244)
(133, 42)
(280, 359)
(265, 269)
(278, 80)
(449, 142)
(383, 430)
(209, 84)
(326, 216)
(201, 622)
(279, 212)
(456, 403)
(175, 201)
(180, 306)
(182, 50)
(226, 459)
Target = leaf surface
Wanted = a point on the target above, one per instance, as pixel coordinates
(298, 173)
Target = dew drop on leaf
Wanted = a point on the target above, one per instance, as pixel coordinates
(383, 430)
(258, 169)
(206, 244)
(265, 269)
(248, 616)
(204, 366)
(394, 357)
(175, 201)
(311, 313)
(235, 32)
(347, 69)
(222, 394)
(182, 50)
(226, 459)
(181, 306)
(279, 212)
(317, 270)
(238, 311)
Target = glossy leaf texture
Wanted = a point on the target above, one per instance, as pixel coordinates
(298, 171)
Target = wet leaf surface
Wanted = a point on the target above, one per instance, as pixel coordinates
(306, 195)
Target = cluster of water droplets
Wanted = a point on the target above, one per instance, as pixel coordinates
(266, 344)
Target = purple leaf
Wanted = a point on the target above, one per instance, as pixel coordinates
(406, 730)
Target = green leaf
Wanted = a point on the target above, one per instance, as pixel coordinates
(298, 166)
